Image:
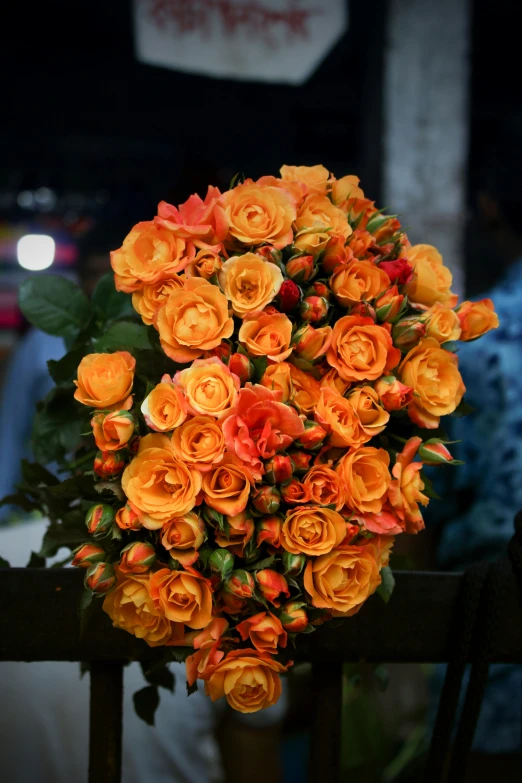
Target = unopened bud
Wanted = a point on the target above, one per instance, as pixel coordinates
(99, 520)
(100, 578)
(88, 554)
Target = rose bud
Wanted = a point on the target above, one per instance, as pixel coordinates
(87, 554)
(265, 632)
(301, 461)
(408, 333)
(313, 435)
(399, 271)
(241, 366)
(319, 289)
(270, 253)
(393, 394)
(99, 520)
(221, 563)
(240, 583)
(389, 304)
(434, 452)
(476, 318)
(295, 492)
(300, 269)
(313, 309)
(293, 564)
(222, 351)
(335, 254)
(266, 499)
(100, 578)
(272, 585)
(311, 344)
(128, 517)
(269, 531)
(109, 464)
(293, 617)
(229, 603)
(365, 310)
(289, 296)
(278, 468)
(137, 558)
(113, 430)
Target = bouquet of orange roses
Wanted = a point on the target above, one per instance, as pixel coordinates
(258, 441)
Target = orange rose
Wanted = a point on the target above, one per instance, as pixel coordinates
(434, 377)
(342, 580)
(105, 380)
(360, 350)
(393, 394)
(250, 283)
(312, 241)
(340, 417)
(259, 215)
(347, 189)
(358, 281)
(196, 219)
(278, 377)
(295, 492)
(199, 443)
(442, 323)
(148, 255)
(226, 488)
(182, 537)
(240, 530)
(112, 431)
(131, 608)
(165, 407)
(332, 380)
(305, 391)
(366, 403)
(209, 386)
(207, 261)
(192, 320)
(325, 485)
(317, 212)
(296, 189)
(311, 344)
(312, 530)
(315, 178)
(150, 298)
(264, 631)
(365, 477)
(182, 597)
(431, 280)
(267, 335)
(158, 484)
(129, 517)
(248, 679)
(405, 491)
(476, 318)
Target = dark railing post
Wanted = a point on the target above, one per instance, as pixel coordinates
(106, 716)
(325, 756)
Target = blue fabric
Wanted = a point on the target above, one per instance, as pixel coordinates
(491, 446)
(27, 381)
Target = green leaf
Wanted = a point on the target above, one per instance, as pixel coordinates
(32, 472)
(385, 589)
(54, 305)
(64, 370)
(36, 561)
(4, 563)
(58, 536)
(180, 654)
(85, 609)
(260, 364)
(192, 688)
(266, 563)
(146, 703)
(123, 336)
(112, 303)
(462, 409)
(153, 364)
(158, 674)
(428, 486)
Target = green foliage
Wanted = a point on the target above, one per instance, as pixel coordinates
(110, 303)
(54, 305)
(146, 703)
(387, 585)
(4, 563)
(122, 336)
(158, 674)
(462, 409)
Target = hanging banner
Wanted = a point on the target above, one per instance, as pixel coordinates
(262, 40)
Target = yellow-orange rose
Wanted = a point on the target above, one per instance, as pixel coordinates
(314, 177)
(149, 254)
(476, 318)
(342, 580)
(105, 380)
(267, 335)
(207, 261)
(182, 597)
(405, 491)
(250, 283)
(442, 323)
(312, 241)
(341, 419)
(296, 189)
(182, 537)
(332, 380)
(248, 679)
(318, 212)
(365, 478)
(361, 350)
(209, 386)
(431, 280)
(434, 376)
(131, 608)
(312, 530)
(325, 486)
(192, 320)
(150, 298)
(226, 488)
(278, 377)
(199, 443)
(346, 188)
(158, 484)
(112, 431)
(366, 403)
(165, 407)
(358, 281)
(306, 390)
(258, 215)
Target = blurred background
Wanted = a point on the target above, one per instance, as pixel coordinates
(110, 107)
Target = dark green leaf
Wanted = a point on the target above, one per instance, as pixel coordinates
(85, 668)
(159, 675)
(36, 561)
(153, 364)
(260, 364)
(146, 703)
(180, 654)
(462, 409)
(385, 589)
(64, 370)
(54, 304)
(428, 486)
(32, 472)
(86, 609)
(123, 336)
(110, 487)
(58, 536)
(112, 303)
(192, 688)
(4, 563)
(20, 500)
(266, 563)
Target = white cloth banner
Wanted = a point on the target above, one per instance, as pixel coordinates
(262, 40)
